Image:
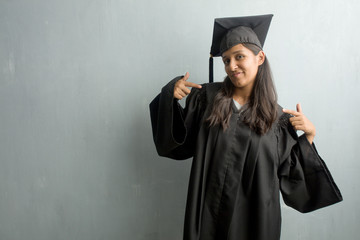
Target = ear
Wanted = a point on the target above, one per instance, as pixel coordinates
(261, 58)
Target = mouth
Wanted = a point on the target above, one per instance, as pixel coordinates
(236, 74)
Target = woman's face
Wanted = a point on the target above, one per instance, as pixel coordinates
(241, 65)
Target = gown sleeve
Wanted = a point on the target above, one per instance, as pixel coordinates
(174, 128)
(306, 183)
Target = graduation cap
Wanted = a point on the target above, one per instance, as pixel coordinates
(229, 32)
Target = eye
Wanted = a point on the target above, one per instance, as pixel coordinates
(238, 57)
(226, 61)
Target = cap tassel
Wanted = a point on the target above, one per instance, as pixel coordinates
(211, 69)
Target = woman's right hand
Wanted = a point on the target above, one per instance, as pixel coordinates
(182, 89)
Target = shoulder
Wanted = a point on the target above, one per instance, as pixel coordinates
(207, 89)
(211, 89)
(283, 123)
(215, 86)
(205, 94)
(281, 116)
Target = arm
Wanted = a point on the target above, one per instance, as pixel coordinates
(306, 183)
(173, 127)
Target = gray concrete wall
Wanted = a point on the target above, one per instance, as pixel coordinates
(77, 161)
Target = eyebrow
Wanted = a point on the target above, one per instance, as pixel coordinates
(236, 52)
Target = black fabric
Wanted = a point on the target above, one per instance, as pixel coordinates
(239, 35)
(236, 175)
(211, 69)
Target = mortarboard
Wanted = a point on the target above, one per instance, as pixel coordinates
(229, 32)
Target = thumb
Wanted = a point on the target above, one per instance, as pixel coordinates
(186, 77)
(298, 108)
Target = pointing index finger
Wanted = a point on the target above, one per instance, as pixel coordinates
(190, 84)
(292, 112)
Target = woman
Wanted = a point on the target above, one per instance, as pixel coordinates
(244, 145)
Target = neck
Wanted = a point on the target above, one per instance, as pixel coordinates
(242, 96)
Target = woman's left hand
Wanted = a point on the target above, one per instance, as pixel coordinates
(300, 122)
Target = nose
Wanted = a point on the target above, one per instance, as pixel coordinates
(232, 65)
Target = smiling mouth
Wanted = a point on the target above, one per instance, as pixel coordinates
(236, 74)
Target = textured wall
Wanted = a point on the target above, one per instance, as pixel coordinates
(77, 159)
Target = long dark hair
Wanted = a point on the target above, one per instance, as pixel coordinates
(260, 111)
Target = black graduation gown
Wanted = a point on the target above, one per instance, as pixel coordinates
(236, 175)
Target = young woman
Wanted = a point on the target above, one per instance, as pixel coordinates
(244, 145)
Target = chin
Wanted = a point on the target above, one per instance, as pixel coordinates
(237, 83)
